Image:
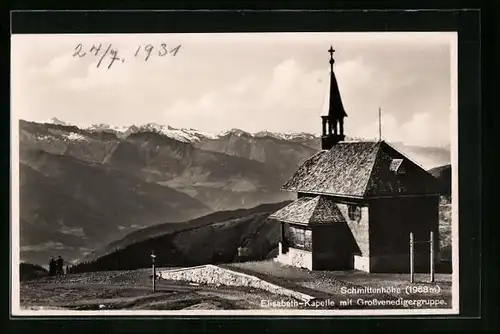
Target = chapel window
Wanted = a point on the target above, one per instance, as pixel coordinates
(396, 166)
(301, 237)
(354, 212)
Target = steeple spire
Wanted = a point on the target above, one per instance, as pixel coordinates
(333, 123)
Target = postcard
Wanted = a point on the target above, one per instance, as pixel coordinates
(234, 174)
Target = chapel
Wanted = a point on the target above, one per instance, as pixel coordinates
(357, 202)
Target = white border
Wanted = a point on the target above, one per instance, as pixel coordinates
(15, 249)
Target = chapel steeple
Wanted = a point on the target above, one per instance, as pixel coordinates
(333, 123)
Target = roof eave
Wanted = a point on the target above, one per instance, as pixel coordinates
(323, 193)
(292, 222)
(403, 195)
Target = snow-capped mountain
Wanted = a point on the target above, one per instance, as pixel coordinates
(106, 127)
(286, 136)
(241, 143)
(55, 120)
(184, 135)
(188, 135)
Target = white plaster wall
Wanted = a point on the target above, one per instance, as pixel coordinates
(297, 258)
(300, 258)
(362, 263)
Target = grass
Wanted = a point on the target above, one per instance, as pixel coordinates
(117, 290)
(334, 283)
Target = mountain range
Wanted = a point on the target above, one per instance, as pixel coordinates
(84, 187)
(182, 134)
(69, 206)
(249, 145)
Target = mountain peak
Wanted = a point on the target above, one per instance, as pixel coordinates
(235, 132)
(189, 135)
(286, 136)
(57, 121)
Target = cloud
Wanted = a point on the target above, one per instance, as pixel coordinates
(423, 129)
(253, 82)
(288, 96)
(294, 96)
(98, 77)
(58, 65)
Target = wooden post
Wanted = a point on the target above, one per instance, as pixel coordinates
(412, 278)
(282, 238)
(154, 270)
(432, 257)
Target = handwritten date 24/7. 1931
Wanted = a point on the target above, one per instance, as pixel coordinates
(143, 51)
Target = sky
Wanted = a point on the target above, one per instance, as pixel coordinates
(254, 82)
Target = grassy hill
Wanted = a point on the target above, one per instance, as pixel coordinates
(173, 227)
(210, 239)
(214, 238)
(29, 271)
(443, 175)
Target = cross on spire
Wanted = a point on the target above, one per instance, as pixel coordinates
(331, 51)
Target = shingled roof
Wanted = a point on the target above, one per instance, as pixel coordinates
(360, 170)
(310, 211)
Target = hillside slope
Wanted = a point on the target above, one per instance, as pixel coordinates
(172, 227)
(68, 206)
(221, 181)
(443, 175)
(211, 239)
(66, 140)
(284, 155)
(29, 271)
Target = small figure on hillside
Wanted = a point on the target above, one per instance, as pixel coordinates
(67, 269)
(60, 266)
(52, 267)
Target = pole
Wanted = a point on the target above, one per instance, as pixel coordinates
(153, 270)
(379, 124)
(281, 238)
(411, 259)
(432, 257)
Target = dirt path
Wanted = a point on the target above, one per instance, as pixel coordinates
(133, 290)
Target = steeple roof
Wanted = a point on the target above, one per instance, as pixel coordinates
(335, 105)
